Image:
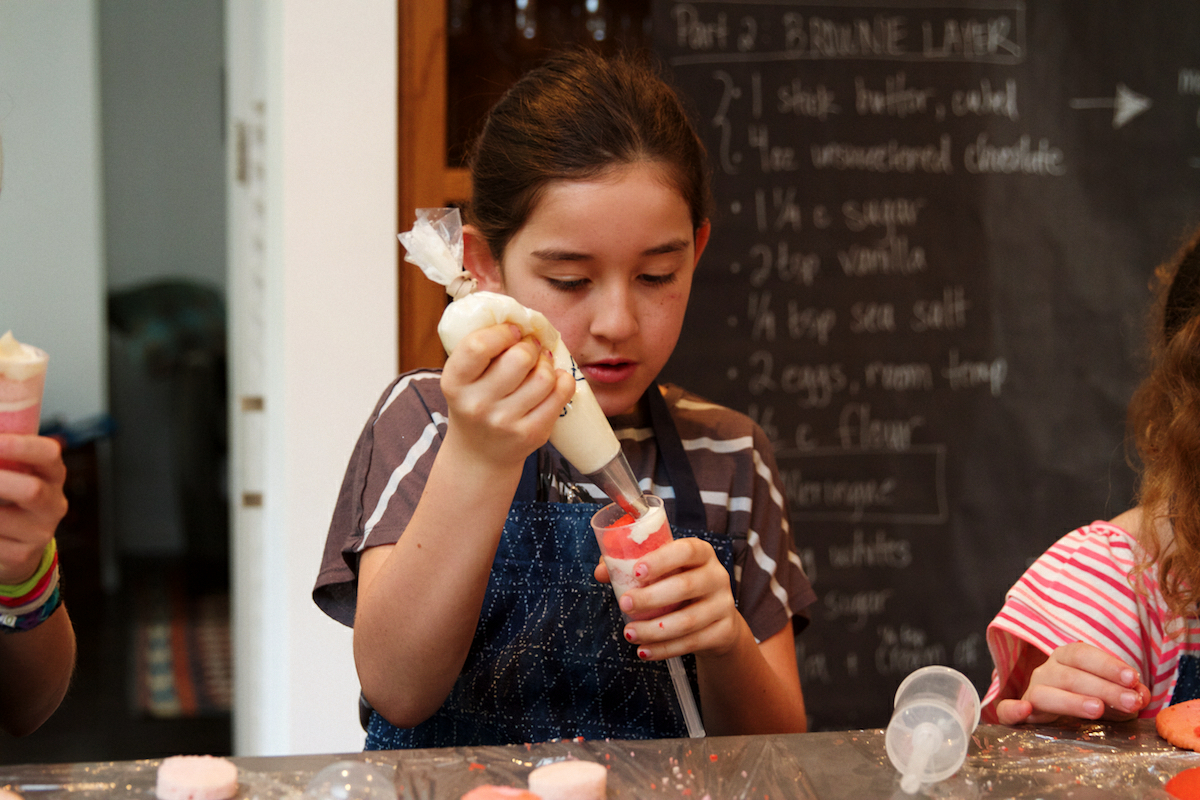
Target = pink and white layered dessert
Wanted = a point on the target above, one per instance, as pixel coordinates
(626, 542)
(22, 380)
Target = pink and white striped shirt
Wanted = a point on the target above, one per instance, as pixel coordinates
(1080, 590)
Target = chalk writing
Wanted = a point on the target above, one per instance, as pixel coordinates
(895, 99)
(878, 551)
(969, 374)
(891, 255)
(905, 649)
(983, 156)
(1189, 81)
(858, 606)
(892, 156)
(850, 32)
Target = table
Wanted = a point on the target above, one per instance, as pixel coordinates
(1086, 762)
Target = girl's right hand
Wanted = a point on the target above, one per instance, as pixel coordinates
(504, 393)
(33, 502)
(1081, 681)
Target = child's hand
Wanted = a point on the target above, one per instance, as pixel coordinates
(504, 393)
(32, 503)
(686, 576)
(1081, 681)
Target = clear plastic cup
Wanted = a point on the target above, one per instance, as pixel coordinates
(624, 540)
(22, 381)
(935, 713)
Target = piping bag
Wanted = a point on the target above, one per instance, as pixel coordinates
(582, 433)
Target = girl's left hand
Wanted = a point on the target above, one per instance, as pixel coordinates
(686, 576)
(32, 502)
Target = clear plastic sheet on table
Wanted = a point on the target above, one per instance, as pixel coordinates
(1079, 763)
(1086, 762)
(133, 779)
(716, 768)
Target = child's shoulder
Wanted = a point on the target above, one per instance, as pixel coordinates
(697, 416)
(418, 390)
(1098, 542)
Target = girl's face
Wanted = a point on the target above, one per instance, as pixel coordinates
(609, 261)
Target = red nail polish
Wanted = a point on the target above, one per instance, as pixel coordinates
(629, 636)
(640, 571)
(643, 653)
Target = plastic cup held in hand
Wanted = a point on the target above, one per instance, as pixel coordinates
(22, 380)
(935, 713)
(623, 541)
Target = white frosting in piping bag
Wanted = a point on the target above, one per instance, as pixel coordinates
(582, 433)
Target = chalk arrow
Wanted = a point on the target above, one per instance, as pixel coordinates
(1126, 105)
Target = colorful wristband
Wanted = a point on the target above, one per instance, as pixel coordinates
(25, 587)
(8, 605)
(35, 602)
(10, 623)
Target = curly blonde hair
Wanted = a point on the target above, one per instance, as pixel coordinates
(1164, 424)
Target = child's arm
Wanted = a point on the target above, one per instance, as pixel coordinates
(35, 665)
(1076, 680)
(745, 687)
(419, 599)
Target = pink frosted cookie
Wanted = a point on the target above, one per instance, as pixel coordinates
(490, 792)
(570, 780)
(196, 778)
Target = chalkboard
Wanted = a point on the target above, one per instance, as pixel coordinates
(928, 280)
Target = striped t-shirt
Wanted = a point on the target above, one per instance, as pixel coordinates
(1080, 591)
(730, 456)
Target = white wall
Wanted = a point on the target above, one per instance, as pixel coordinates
(164, 147)
(51, 216)
(313, 258)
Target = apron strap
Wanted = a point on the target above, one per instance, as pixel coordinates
(527, 488)
(689, 506)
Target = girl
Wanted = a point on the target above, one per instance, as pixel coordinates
(1104, 624)
(460, 550)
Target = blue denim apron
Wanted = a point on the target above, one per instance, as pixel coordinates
(548, 660)
(1187, 674)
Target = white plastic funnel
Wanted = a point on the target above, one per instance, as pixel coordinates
(935, 713)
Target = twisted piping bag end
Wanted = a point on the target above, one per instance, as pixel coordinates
(461, 285)
(435, 245)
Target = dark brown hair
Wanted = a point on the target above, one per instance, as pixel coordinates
(1164, 423)
(574, 117)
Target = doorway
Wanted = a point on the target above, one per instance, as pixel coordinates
(145, 548)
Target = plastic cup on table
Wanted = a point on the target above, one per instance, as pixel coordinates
(935, 713)
(623, 541)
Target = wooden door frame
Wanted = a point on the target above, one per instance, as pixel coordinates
(424, 180)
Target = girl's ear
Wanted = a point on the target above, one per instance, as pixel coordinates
(701, 239)
(477, 258)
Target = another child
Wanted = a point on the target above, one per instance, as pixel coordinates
(460, 549)
(37, 647)
(37, 641)
(1104, 624)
